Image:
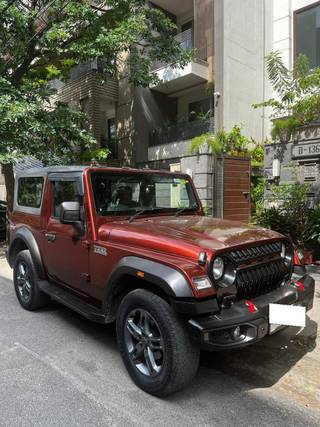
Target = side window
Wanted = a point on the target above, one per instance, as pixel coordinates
(63, 191)
(30, 191)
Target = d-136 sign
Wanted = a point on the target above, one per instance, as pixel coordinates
(306, 150)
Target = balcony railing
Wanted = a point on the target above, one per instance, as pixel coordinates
(180, 132)
(186, 42)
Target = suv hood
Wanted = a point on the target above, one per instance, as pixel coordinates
(186, 233)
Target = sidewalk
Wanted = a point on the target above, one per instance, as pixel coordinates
(5, 270)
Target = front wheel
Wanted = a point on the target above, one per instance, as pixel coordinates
(154, 344)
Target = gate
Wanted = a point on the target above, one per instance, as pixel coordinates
(232, 189)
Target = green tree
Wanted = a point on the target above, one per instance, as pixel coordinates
(42, 39)
(298, 97)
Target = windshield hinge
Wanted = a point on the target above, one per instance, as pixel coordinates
(86, 244)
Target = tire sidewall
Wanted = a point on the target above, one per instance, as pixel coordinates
(159, 382)
(25, 257)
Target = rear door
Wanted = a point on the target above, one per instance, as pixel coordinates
(66, 252)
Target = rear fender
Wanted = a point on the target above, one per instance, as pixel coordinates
(21, 239)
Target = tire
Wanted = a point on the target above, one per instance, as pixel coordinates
(159, 372)
(26, 279)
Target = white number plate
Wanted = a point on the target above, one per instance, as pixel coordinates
(286, 315)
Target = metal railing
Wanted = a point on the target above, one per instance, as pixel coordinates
(180, 131)
(186, 42)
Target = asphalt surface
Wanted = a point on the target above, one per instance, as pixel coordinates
(58, 369)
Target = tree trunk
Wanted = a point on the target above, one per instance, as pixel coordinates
(7, 170)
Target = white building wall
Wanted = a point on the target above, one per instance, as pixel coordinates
(243, 36)
(2, 187)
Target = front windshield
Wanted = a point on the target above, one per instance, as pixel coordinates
(126, 193)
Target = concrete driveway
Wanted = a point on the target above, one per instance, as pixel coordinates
(58, 369)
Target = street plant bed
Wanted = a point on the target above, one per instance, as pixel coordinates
(287, 210)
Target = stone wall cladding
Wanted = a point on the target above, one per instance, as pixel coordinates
(304, 168)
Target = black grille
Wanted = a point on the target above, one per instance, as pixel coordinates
(247, 254)
(261, 279)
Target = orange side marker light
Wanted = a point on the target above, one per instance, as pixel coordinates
(140, 273)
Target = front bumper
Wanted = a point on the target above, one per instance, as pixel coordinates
(217, 332)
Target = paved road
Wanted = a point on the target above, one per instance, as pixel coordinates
(58, 369)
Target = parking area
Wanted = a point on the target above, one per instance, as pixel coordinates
(57, 368)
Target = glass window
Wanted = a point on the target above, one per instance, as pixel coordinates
(307, 34)
(63, 191)
(30, 191)
(110, 140)
(116, 194)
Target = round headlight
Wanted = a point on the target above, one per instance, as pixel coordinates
(218, 268)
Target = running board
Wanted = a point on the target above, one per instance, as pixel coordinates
(72, 301)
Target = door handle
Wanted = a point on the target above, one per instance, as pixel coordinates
(50, 237)
(246, 194)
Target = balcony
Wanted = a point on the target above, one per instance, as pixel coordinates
(174, 79)
(180, 132)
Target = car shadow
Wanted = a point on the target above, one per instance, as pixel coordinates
(263, 364)
(105, 334)
(256, 366)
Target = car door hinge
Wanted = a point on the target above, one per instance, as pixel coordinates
(86, 277)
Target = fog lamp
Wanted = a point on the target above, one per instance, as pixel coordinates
(237, 335)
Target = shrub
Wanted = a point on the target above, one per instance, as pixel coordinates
(290, 214)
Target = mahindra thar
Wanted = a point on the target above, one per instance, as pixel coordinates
(133, 246)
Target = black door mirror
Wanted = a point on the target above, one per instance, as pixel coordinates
(70, 213)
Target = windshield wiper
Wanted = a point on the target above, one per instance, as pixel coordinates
(141, 211)
(180, 211)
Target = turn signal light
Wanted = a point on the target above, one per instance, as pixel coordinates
(201, 283)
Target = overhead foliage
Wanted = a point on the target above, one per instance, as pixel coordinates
(297, 101)
(43, 39)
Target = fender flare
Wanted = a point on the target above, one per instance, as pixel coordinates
(25, 235)
(171, 281)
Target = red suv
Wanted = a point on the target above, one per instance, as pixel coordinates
(133, 246)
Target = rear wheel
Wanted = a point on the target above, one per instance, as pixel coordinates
(26, 283)
(154, 344)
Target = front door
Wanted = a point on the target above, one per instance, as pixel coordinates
(236, 188)
(66, 254)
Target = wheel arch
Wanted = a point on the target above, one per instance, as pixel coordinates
(134, 272)
(24, 239)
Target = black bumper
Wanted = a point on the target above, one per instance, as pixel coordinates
(216, 332)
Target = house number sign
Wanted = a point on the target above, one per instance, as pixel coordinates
(306, 150)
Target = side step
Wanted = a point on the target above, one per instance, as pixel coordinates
(72, 301)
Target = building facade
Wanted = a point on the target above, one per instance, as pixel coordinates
(153, 127)
(296, 30)
(216, 90)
